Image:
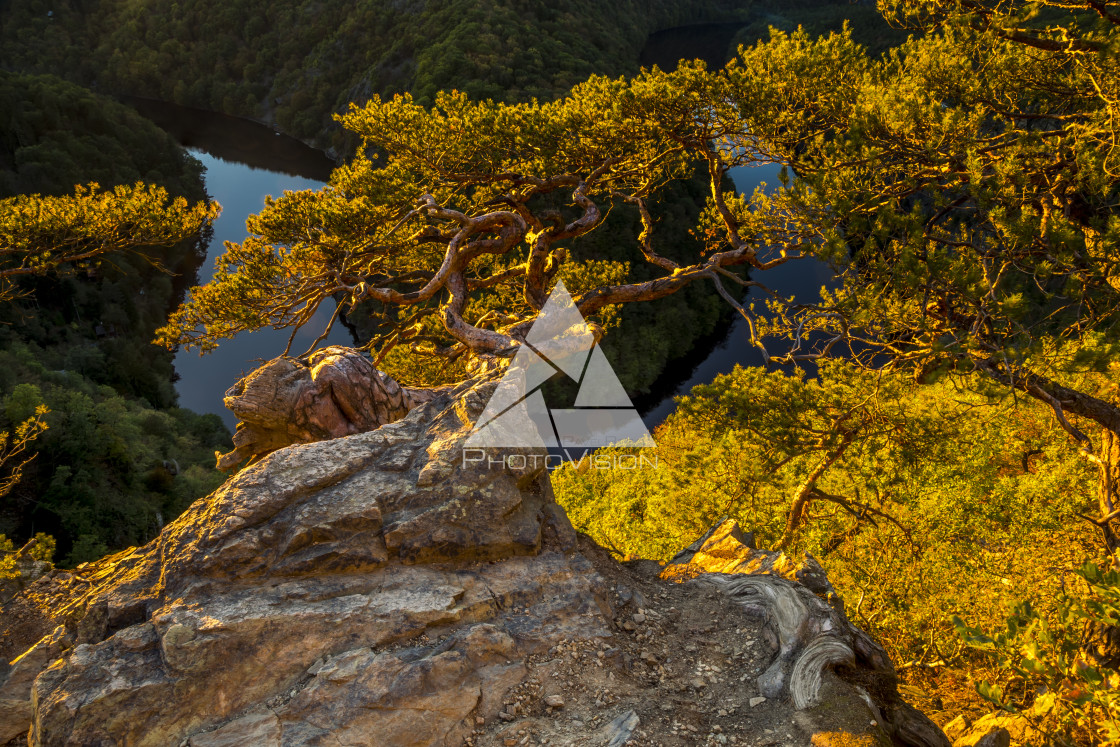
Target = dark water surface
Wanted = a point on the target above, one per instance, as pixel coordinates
(710, 42)
(801, 278)
(241, 190)
(236, 140)
(245, 162)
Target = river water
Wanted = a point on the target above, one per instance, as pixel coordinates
(800, 278)
(203, 379)
(247, 161)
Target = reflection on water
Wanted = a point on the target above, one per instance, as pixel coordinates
(241, 190)
(800, 278)
(246, 161)
(236, 140)
(710, 42)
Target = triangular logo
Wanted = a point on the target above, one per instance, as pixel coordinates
(559, 341)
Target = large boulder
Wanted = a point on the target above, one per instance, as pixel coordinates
(333, 392)
(380, 588)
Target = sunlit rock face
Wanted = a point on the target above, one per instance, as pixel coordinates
(341, 548)
(379, 588)
(725, 548)
(805, 620)
(332, 393)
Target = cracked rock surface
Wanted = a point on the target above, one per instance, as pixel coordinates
(378, 589)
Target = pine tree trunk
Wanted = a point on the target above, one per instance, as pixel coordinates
(1108, 484)
(1101, 643)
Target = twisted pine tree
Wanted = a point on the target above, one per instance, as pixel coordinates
(964, 188)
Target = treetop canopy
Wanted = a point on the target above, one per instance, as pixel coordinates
(962, 185)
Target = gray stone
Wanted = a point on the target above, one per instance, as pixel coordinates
(621, 729)
(374, 588)
(321, 552)
(257, 729)
(807, 624)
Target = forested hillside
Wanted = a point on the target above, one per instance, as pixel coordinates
(950, 453)
(80, 342)
(295, 62)
(118, 457)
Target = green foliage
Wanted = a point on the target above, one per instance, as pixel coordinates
(964, 184)
(1077, 699)
(751, 440)
(99, 316)
(28, 425)
(970, 210)
(55, 135)
(111, 470)
(971, 214)
(90, 272)
(867, 25)
(648, 336)
(607, 150)
(292, 62)
(298, 61)
(946, 500)
(86, 548)
(44, 548)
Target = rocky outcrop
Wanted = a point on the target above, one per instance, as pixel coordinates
(725, 548)
(332, 393)
(301, 575)
(380, 589)
(804, 616)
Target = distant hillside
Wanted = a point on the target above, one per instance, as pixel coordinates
(119, 457)
(55, 134)
(295, 62)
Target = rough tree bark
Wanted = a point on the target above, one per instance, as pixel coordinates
(1108, 483)
(808, 630)
(1105, 454)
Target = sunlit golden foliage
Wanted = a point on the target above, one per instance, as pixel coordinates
(43, 235)
(13, 446)
(945, 501)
